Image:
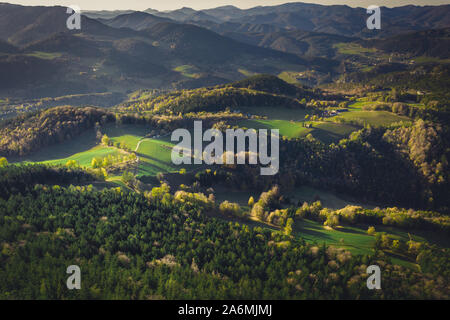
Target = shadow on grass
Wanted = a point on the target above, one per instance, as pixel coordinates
(349, 230)
(305, 228)
(146, 156)
(65, 149)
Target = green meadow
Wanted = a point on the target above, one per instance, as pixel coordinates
(277, 113)
(373, 118)
(155, 156)
(289, 77)
(325, 131)
(328, 199)
(354, 239)
(246, 72)
(290, 122)
(353, 49)
(86, 142)
(45, 55)
(84, 158)
(287, 128)
(188, 71)
(85, 147)
(127, 134)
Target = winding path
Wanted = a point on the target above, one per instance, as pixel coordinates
(137, 157)
(139, 143)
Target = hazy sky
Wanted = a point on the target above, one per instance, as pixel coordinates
(204, 4)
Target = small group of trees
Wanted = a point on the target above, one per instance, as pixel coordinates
(127, 177)
(267, 202)
(111, 160)
(3, 162)
(354, 215)
(231, 209)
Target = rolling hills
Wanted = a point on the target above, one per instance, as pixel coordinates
(98, 57)
(430, 43)
(362, 171)
(135, 20)
(337, 19)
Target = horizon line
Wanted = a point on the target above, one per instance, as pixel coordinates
(222, 6)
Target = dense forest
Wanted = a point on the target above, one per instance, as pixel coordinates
(31, 132)
(275, 85)
(88, 150)
(362, 165)
(158, 245)
(212, 100)
(432, 79)
(256, 91)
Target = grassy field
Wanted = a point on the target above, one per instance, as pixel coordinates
(45, 55)
(127, 134)
(289, 77)
(303, 194)
(237, 196)
(425, 59)
(155, 156)
(325, 131)
(352, 238)
(373, 118)
(289, 122)
(357, 105)
(83, 158)
(356, 240)
(188, 71)
(86, 146)
(246, 72)
(329, 132)
(67, 149)
(284, 119)
(353, 49)
(328, 199)
(277, 113)
(287, 128)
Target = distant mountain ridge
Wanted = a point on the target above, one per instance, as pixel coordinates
(335, 19)
(130, 51)
(432, 43)
(185, 48)
(22, 25)
(135, 20)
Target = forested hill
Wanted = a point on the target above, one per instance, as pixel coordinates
(173, 250)
(199, 45)
(272, 84)
(135, 20)
(256, 91)
(31, 132)
(336, 19)
(431, 43)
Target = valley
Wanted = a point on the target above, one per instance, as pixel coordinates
(87, 176)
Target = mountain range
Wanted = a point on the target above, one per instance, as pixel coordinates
(121, 51)
(336, 19)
